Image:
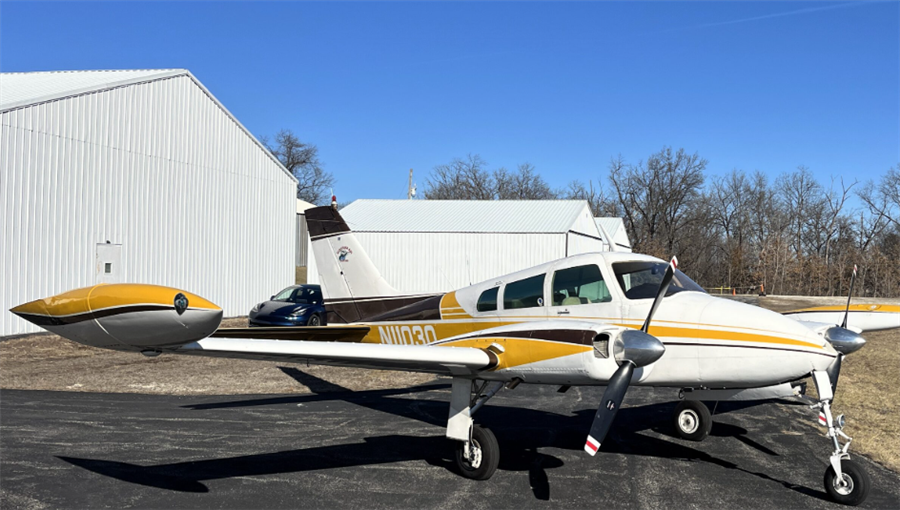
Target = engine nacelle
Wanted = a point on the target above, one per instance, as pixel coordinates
(125, 316)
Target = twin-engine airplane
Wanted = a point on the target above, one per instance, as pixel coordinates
(605, 319)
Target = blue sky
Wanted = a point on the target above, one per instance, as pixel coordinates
(384, 87)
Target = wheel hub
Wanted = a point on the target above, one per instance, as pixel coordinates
(688, 421)
(474, 460)
(843, 485)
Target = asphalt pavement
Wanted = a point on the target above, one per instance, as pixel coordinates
(377, 449)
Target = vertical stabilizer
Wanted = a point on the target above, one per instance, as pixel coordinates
(344, 267)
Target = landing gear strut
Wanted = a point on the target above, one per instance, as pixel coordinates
(477, 453)
(845, 481)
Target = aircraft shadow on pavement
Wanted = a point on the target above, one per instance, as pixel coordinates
(521, 433)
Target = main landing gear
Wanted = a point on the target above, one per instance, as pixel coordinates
(692, 420)
(477, 453)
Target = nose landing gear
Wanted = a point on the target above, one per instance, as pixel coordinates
(845, 481)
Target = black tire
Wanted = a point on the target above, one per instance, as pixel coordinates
(857, 484)
(692, 420)
(315, 320)
(487, 455)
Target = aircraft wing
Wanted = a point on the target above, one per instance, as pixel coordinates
(457, 361)
(863, 317)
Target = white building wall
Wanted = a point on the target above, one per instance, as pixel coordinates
(578, 244)
(417, 262)
(157, 167)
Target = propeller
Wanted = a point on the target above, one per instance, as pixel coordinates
(849, 296)
(631, 349)
(843, 340)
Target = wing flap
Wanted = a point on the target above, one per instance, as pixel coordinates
(410, 358)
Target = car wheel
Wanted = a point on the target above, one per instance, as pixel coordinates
(315, 320)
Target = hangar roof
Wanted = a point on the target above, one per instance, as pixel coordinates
(479, 216)
(19, 90)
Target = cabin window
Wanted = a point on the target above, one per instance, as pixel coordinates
(579, 286)
(527, 293)
(487, 302)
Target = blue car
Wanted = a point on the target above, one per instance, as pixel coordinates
(297, 305)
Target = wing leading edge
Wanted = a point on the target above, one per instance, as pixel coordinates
(457, 361)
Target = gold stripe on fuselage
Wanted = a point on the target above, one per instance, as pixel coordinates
(521, 351)
(450, 328)
(450, 306)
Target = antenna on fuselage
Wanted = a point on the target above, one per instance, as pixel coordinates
(609, 241)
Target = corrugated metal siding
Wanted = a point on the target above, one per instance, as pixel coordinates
(427, 262)
(158, 167)
(577, 244)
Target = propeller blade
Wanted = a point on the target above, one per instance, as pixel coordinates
(849, 295)
(834, 371)
(661, 293)
(612, 400)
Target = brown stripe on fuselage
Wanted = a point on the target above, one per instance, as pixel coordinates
(569, 336)
(387, 308)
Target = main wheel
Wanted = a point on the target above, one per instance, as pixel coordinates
(484, 457)
(314, 321)
(853, 486)
(692, 420)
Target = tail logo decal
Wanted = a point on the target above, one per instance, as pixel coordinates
(344, 253)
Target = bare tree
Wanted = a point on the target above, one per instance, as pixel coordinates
(469, 179)
(461, 179)
(525, 184)
(302, 160)
(656, 197)
(600, 205)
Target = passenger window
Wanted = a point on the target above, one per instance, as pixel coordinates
(487, 302)
(579, 286)
(527, 293)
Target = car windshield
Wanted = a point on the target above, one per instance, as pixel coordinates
(300, 295)
(641, 279)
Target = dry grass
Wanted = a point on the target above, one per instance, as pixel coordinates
(300, 275)
(869, 391)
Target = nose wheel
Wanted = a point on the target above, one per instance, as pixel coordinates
(692, 420)
(852, 487)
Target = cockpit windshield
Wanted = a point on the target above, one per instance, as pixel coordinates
(641, 279)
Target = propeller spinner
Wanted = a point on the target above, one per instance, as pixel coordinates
(631, 349)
